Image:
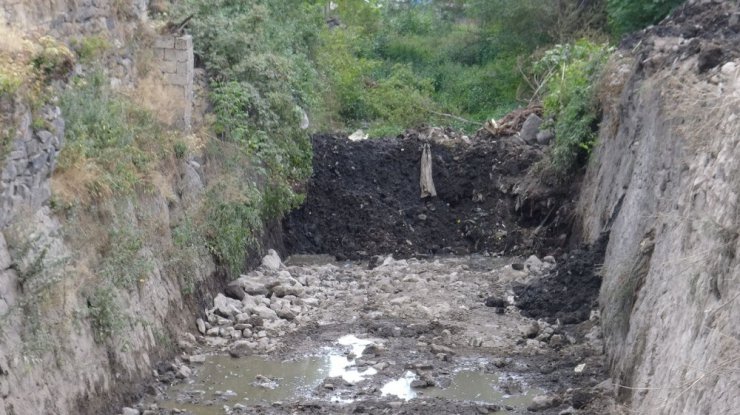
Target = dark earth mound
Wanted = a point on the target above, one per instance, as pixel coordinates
(710, 30)
(364, 198)
(571, 290)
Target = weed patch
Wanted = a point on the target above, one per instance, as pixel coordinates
(570, 100)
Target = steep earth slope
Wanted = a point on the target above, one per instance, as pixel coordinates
(664, 181)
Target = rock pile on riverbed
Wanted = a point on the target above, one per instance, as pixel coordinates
(259, 307)
(428, 317)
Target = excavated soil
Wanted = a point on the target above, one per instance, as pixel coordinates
(364, 198)
(570, 292)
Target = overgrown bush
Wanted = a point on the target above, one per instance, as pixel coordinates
(104, 312)
(233, 224)
(629, 15)
(112, 144)
(570, 71)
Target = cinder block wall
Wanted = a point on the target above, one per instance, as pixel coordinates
(175, 59)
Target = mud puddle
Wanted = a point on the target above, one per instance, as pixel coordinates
(222, 382)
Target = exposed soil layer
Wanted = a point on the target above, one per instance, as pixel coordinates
(570, 291)
(710, 30)
(364, 198)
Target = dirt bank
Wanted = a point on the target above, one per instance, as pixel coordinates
(364, 198)
(664, 180)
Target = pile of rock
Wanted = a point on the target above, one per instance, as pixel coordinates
(257, 308)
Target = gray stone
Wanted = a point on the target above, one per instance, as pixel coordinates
(530, 128)
(283, 290)
(44, 136)
(542, 402)
(129, 411)
(557, 340)
(264, 312)
(534, 265)
(545, 137)
(235, 291)
(225, 306)
(241, 348)
(272, 260)
(197, 358)
(4, 388)
(728, 68)
(201, 326)
(435, 348)
(530, 330)
(184, 372)
(253, 287)
(226, 331)
(286, 314)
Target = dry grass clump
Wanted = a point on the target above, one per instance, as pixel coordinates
(695, 103)
(30, 61)
(611, 83)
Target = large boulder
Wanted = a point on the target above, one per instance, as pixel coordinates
(272, 260)
(241, 348)
(235, 291)
(264, 312)
(252, 285)
(225, 306)
(530, 129)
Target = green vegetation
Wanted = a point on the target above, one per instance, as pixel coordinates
(123, 263)
(570, 72)
(112, 144)
(54, 60)
(90, 48)
(233, 224)
(104, 312)
(630, 15)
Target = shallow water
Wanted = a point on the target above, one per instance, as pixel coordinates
(225, 381)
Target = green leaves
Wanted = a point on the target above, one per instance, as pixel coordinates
(570, 71)
(630, 15)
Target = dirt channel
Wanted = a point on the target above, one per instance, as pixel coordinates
(423, 306)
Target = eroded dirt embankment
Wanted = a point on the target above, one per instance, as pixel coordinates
(664, 180)
(364, 198)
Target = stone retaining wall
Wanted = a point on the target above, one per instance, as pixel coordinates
(30, 161)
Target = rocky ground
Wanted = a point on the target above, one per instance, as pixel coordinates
(428, 319)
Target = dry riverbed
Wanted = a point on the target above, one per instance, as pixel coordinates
(411, 336)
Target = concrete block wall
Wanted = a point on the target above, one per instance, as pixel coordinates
(174, 54)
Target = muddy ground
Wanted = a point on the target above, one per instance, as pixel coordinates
(433, 318)
(364, 199)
